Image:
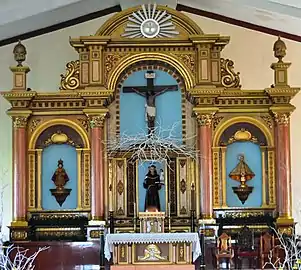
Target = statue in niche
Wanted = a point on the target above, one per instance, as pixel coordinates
(150, 92)
(60, 179)
(153, 183)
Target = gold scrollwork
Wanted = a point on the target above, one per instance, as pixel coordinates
(70, 81)
(229, 77)
(20, 121)
(84, 123)
(216, 121)
(282, 118)
(34, 124)
(188, 60)
(204, 119)
(268, 120)
(97, 120)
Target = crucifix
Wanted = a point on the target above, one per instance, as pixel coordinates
(150, 92)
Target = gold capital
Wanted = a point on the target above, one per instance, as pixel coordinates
(282, 118)
(97, 120)
(204, 119)
(19, 121)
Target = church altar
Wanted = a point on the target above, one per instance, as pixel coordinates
(150, 248)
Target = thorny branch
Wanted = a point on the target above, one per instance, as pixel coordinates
(158, 146)
(3, 187)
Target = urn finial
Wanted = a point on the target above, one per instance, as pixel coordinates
(20, 53)
(279, 49)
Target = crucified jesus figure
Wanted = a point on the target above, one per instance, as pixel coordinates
(150, 92)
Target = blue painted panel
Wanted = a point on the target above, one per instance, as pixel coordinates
(142, 171)
(253, 158)
(132, 106)
(50, 157)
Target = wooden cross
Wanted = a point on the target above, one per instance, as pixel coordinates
(150, 92)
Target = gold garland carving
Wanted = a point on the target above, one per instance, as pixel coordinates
(205, 119)
(110, 62)
(20, 121)
(70, 81)
(282, 118)
(34, 124)
(229, 77)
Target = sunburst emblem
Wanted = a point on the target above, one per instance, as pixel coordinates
(149, 22)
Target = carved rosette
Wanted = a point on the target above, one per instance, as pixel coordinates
(205, 119)
(19, 121)
(282, 118)
(97, 120)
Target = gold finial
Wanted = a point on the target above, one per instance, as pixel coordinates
(279, 49)
(19, 53)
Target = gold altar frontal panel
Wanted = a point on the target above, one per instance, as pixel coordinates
(159, 254)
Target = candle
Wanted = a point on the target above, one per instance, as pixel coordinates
(135, 210)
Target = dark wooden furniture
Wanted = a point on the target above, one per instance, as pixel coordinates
(246, 248)
(224, 250)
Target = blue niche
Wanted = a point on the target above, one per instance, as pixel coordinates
(168, 106)
(252, 155)
(142, 171)
(50, 157)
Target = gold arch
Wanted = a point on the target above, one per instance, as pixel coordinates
(35, 135)
(183, 71)
(240, 119)
(118, 20)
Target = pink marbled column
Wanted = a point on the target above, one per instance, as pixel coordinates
(19, 169)
(97, 168)
(205, 163)
(283, 165)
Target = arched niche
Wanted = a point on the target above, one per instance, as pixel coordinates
(54, 140)
(251, 138)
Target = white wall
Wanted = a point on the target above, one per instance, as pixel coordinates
(47, 55)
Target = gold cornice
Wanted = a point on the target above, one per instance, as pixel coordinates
(282, 91)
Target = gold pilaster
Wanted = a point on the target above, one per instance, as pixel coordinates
(271, 178)
(216, 177)
(31, 179)
(224, 177)
(86, 180)
(79, 178)
(263, 165)
(39, 178)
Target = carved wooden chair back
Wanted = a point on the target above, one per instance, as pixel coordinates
(224, 249)
(267, 244)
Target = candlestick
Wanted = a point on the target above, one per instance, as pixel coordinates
(169, 219)
(135, 217)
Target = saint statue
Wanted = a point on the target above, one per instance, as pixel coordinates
(60, 177)
(152, 183)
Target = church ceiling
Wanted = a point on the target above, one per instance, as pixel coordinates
(20, 17)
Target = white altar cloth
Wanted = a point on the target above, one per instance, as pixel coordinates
(148, 238)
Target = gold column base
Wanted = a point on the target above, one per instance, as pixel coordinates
(19, 223)
(285, 221)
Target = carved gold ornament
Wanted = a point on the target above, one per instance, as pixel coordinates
(150, 23)
(229, 77)
(59, 138)
(97, 120)
(282, 118)
(20, 121)
(70, 81)
(204, 119)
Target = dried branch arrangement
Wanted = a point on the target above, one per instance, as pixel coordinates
(158, 146)
(16, 258)
(290, 246)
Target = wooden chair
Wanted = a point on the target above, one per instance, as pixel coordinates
(224, 250)
(246, 248)
(267, 244)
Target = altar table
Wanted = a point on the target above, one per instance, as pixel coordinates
(130, 249)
